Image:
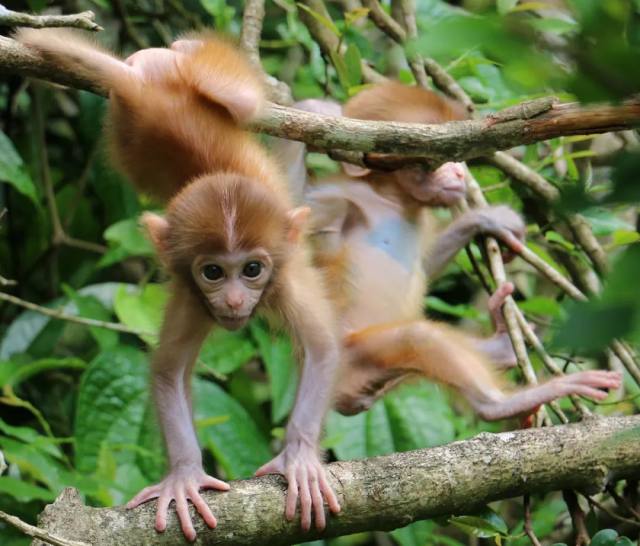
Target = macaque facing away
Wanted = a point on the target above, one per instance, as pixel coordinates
(230, 239)
(374, 241)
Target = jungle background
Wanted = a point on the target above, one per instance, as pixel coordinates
(74, 407)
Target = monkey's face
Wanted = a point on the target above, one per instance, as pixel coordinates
(232, 284)
(440, 188)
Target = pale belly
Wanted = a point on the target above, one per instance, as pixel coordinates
(386, 279)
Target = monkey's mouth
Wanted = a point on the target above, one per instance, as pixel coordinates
(232, 322)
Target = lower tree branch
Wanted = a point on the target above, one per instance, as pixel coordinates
(383, 493)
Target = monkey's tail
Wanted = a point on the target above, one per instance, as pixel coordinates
(219, 71)
(71, 51)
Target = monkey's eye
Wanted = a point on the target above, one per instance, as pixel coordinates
(212, 272)
(252, 269)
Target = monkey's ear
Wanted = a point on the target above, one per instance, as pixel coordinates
(355, 170)
(158, 230)
(297, 221)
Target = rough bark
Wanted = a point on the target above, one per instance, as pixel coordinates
(383, 493)
(431, 144)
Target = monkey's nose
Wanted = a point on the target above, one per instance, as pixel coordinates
(234, 302)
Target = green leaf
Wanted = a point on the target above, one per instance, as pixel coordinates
(277, 354)
(411, 417)
(460, 310)
(355, 15)
(232, 436)
(13, 170)
(23, 491)
(225, 351)
(505, 6)
(341, 69)
(324, 21)
(142, 309)
(484, 525)
(32, 437)
(35, 463)
(415, 534)
(90, 307)
(624, 541)
(127, 236)
(623, 237)
(111, 404)
(352, 61)
(540, 305)
(13, 373)
(27, 327)
(604, 537)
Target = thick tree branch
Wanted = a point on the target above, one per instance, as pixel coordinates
(386, 492)
(432, 144)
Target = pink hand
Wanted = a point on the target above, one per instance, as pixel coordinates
(301, 466)
(182, 484)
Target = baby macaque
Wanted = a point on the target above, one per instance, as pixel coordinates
(230, 239)
(374, 241)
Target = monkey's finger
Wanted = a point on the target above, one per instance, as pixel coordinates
(598, 378)
(513, 242)
(202, 507)
(271, 467)
(590, 392)
(317, 500)
(305, 499)
(496, 301)
(161, 511)
(214, 483)
(146, 494)
(182, 509)
(329, 494)
(292, 496)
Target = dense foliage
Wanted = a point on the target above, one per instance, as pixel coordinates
(74, 408)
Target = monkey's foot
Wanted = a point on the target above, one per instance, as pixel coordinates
(300, 465)
(590, 383)
(182, 484)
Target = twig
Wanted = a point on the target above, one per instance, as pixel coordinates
(61, 315)
(130, 30)
(611, 513)
(330, 43)
(528, 529)
(384, 21)
(84, 20)
(577, 517)
(60, 237)
(252, 20)
(416, 62)
(252, 29)
(622, 502)
(38, 533)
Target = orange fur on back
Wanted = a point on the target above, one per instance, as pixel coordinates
(393, 101)
(166, 130)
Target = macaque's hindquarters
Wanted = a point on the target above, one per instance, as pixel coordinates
(379, 357)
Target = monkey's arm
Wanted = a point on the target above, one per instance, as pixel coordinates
(183, 331)
(500, 221)
(310, 317)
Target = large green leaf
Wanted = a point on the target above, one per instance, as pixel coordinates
(111, 405)
(13, 170)
(29, 324)
(224, 351)
(13, 373)
(411, 417)
(142, 309)
(90, 307)
(23, 491)
(228, 431)
(277, 354)
(125, 239)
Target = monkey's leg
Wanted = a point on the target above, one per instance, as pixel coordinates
(438, 352)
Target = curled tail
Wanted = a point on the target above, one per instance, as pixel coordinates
(70, 50)
(219, 71)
